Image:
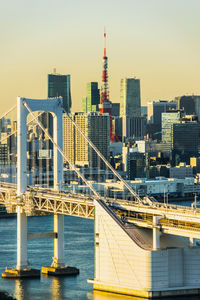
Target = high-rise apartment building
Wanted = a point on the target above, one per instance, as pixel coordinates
(96, 127)
(92, 100)
(130, 103)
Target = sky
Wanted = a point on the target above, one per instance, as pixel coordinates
(157, 41)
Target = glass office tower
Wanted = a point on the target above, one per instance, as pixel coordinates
(59, 85)
(130, 103)
(92, 100)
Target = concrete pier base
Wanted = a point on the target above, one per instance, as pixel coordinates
(171, 292)
(60, 271)
(25, 273)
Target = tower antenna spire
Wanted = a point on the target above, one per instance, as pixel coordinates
(105, 92)
(104, 41)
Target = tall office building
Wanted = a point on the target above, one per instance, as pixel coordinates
(96, 127)
(186, 140)
(4, 154)
(130, 103)
(115, 110)
(59, 85)
(190, 104)
(168, 119)
(186, 137)
(133, 163)
(187, 103)
(155, 110)
(197, 107)
(92, 100)
(144, 111)
(134, 127)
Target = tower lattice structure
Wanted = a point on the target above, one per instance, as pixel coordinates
(105, 103)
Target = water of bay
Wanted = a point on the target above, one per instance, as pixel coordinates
(79, 252)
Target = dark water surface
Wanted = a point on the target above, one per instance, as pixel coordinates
(79, 252)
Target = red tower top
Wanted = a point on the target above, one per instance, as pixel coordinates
(104, 43)
(105, 90)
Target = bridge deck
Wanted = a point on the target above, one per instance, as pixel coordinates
(174, 219)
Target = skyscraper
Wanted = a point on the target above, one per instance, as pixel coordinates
(168, 119)
(130, 103)
(155, 110)
(187, 103)
(59, 85)
(115, 110)
(190, 104)
(92, 100)
(186, 138)
(134, 127)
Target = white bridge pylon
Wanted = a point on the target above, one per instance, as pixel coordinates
(53, 106)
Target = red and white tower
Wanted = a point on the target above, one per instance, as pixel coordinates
(105, 103)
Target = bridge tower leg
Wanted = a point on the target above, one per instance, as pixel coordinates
(22, 268)
(58, 267)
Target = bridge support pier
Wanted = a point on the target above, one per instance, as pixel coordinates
(58, 267)
(22, 268)
(58, 259)
(22, 259)
(156, 233)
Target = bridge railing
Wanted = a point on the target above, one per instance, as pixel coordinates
(158, 206)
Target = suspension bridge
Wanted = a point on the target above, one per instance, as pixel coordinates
(142, 247)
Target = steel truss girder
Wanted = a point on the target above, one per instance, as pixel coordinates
(64, 206)
(55, 203)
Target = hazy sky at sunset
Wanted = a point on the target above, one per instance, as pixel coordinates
(157, 41)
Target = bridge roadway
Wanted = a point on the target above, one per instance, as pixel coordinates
(37, 200)
(173, 219)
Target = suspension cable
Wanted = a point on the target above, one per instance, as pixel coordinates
(15, 131)
(60, 150)
(11, 109)
(136, 196)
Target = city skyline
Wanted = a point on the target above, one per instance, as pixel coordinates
(153, 41)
